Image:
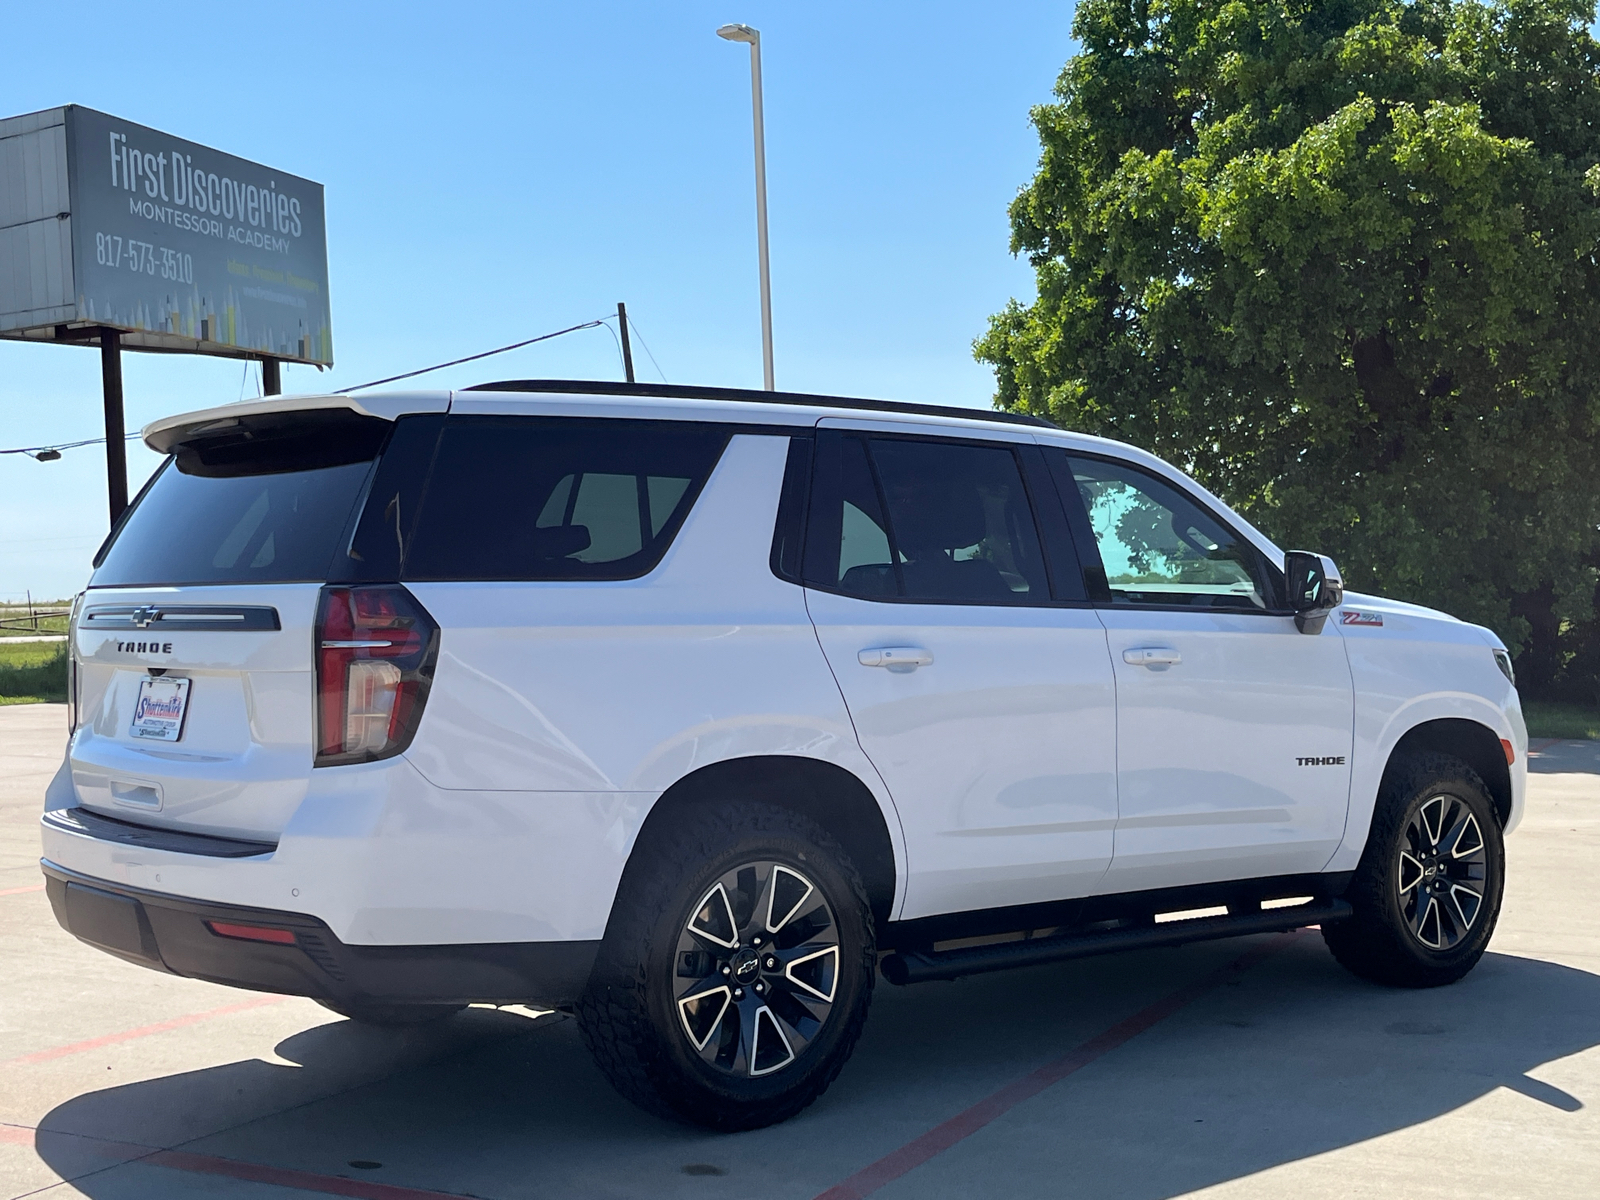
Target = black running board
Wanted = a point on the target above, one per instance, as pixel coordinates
(920, 966)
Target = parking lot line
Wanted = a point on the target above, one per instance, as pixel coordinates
(305, 1181)
(232, 1168)
(129, 1035)
(37, 887)
(966, 1123)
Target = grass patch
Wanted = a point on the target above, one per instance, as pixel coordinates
(33, 672)
(1565, 721)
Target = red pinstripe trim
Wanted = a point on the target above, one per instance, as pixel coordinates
(964, 1124)
(38, 887)
(128, 1035)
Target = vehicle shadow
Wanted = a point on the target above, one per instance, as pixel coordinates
(1564, 758)
(1289, 1060)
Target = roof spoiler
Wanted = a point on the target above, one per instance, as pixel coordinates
(163, 434)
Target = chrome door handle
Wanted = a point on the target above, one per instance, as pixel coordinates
(1152, 656)
(896, 658)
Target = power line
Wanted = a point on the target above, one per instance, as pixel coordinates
(53, 451)
(634, 325)
(456, 362)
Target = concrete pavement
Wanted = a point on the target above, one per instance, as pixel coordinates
(1251, 1068)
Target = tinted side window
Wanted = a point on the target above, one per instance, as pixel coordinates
(555, 498)
(1160, 547)
(927, 521)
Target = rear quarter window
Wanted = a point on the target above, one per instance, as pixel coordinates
(545, 498)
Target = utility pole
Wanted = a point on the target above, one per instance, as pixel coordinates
(116, 430)
(627, 346)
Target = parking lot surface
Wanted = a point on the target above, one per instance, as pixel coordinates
(1248, 1068)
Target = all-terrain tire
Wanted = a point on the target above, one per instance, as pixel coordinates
(392, 1016)
(634, 1016)
(1430, 808)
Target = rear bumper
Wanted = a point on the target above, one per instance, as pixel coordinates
(170, 933)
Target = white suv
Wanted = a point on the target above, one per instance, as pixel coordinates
(690, 710)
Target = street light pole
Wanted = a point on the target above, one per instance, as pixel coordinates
(743, 33)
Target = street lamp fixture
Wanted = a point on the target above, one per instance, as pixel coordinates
(752, 37)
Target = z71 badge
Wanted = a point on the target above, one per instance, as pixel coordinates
(1360, 618)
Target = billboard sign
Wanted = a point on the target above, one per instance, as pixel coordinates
(107, 223)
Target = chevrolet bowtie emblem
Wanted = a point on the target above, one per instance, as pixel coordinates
(142, 617)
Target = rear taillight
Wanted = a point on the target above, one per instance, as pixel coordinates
(376, 647)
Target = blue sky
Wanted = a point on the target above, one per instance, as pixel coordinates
(498, 171)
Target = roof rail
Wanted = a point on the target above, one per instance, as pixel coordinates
(676, 391)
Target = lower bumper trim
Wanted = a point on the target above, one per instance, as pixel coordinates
(170, 933)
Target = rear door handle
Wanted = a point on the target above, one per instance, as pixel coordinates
(1152, 656)
(896, 658)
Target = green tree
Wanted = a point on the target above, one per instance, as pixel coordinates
(1338, 260)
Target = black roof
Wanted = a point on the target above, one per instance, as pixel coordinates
(676, 391)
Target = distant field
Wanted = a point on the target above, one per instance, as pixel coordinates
(15, 622)
(33, 672)
(1562, 721)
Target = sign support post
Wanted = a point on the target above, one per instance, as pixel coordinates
(116, 431)
(271, 381)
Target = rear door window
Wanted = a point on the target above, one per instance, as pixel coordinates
(926, 521)
(263, 504)
(546, 498)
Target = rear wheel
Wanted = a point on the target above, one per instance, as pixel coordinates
(736, 971)
(1427, 891)
(392, 1016)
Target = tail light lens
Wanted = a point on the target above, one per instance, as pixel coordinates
(376, 648)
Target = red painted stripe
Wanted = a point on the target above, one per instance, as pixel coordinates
(964, 1124)
(233, 1168)
(305, 1181)
(128, 1035)
(1544, 745)
(38, 887)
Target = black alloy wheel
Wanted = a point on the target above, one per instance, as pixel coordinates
(1426, 893)
(757, 969)
(1441, 872)
(736, 970)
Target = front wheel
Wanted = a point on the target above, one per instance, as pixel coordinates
(1427, 891)
(736, 970)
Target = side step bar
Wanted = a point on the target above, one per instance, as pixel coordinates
(920, 966)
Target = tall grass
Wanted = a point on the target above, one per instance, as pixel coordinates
(33, 671)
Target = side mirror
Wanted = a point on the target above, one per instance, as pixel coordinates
(1315, 588)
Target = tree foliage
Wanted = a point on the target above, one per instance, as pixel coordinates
(1339, 260)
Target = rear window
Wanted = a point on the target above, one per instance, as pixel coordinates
(264, 503)
(545, 498)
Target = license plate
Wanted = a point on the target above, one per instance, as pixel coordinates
(158, 714)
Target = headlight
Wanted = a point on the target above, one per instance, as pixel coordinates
(1502, 659)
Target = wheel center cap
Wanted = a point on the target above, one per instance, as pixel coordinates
(746, 965)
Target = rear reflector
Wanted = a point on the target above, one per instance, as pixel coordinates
(251, 933)
(1511, 755)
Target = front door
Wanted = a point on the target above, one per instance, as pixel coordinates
(1233, 727)
(981, 695)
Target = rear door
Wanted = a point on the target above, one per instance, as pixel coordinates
(203, 605)
(1233, 727)
(975, 673)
